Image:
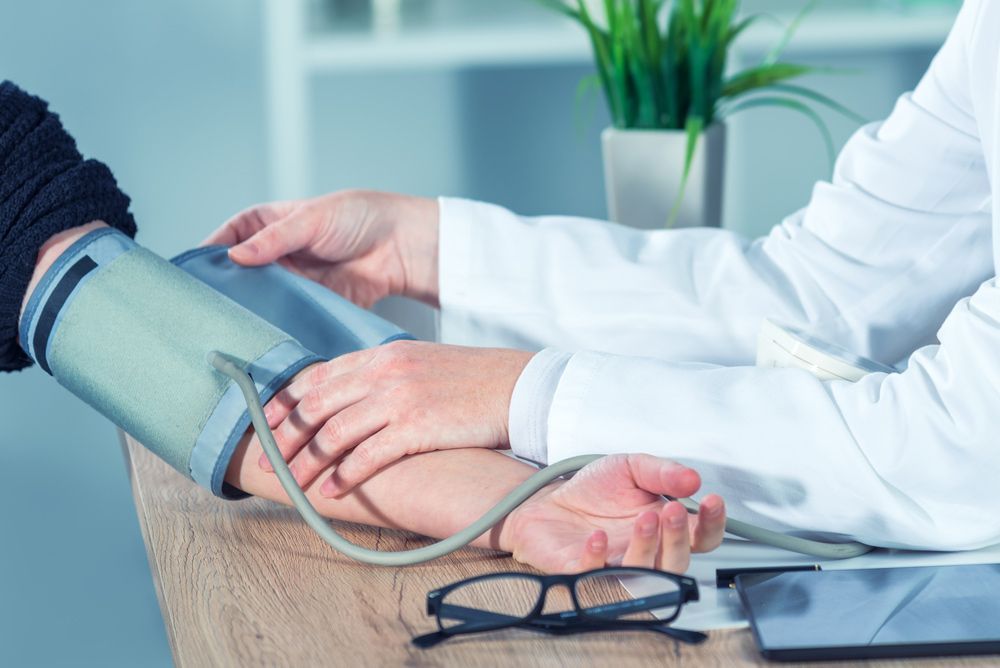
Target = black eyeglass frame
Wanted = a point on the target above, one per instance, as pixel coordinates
(578, 620)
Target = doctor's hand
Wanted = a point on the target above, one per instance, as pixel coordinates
(611, 513)
(363, 245)
(370, 408)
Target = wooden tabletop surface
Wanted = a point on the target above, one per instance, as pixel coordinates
(248, 584)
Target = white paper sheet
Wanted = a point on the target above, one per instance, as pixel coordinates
(721, 608)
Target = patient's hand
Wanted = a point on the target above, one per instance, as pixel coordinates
(364, 245)
(613, 509)
(373, 407)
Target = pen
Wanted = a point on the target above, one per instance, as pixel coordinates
(726, 577)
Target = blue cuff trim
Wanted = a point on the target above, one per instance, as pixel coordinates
(102, 246)
(231, 418)
(402, 336)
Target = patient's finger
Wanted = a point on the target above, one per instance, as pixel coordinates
(708, 527)
(341, 432)
(662, 476)
(595, 552)
(314, 410)
(642, 548)
(675, 549)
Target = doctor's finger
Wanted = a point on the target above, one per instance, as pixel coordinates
(342, 432)
(364, 461)
(290, 234)
(246, 223)
(319, 374)
(675, 549)
(708, 527)
(313, 411)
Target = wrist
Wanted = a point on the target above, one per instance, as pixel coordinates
(509, 536)
(415, 226)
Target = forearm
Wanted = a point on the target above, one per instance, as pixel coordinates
(433, 494)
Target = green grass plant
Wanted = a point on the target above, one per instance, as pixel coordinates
(662, 65)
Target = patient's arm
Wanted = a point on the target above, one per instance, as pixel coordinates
(459, 487)
(612, 510)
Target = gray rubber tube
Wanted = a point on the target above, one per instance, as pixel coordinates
(516, 497)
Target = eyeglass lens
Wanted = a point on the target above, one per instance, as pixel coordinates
(490, 603)
(602, 596)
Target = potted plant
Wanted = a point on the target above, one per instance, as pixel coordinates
(662, 67)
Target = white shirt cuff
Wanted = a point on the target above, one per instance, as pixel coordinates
(455, 223)
(531, 402)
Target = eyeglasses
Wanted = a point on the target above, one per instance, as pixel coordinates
(600, 603)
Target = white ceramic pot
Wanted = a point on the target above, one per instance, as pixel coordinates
(642, 177)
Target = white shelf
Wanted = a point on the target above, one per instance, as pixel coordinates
(428, 49)
(301, 43)
(491, 42)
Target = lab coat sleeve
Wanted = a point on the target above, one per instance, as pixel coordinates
(860, 265)
(907, 459)
(900, 460)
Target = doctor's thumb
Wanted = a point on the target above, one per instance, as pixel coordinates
(274, 242)
(265, 247)
(245, 253)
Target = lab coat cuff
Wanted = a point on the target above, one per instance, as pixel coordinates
(530, 404)
(455, 252)
(455, 247)
(569, 402)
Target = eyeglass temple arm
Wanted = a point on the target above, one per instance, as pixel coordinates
(692, 637)
(430, 639)
(684, 635)
(553, 623)
(464, 614)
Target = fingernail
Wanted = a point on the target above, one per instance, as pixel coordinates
(248, 248)
(677, 521)
(329, 488)
(265, 463)
(713, 511)
(647, 529)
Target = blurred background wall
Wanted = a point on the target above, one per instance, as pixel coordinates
(175, 97)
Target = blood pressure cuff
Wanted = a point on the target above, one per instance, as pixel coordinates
(129, 333)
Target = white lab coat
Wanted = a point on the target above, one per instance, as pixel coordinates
(649, 337)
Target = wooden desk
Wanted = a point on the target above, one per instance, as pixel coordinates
(248, 584)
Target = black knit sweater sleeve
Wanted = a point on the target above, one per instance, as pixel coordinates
(46, 187)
